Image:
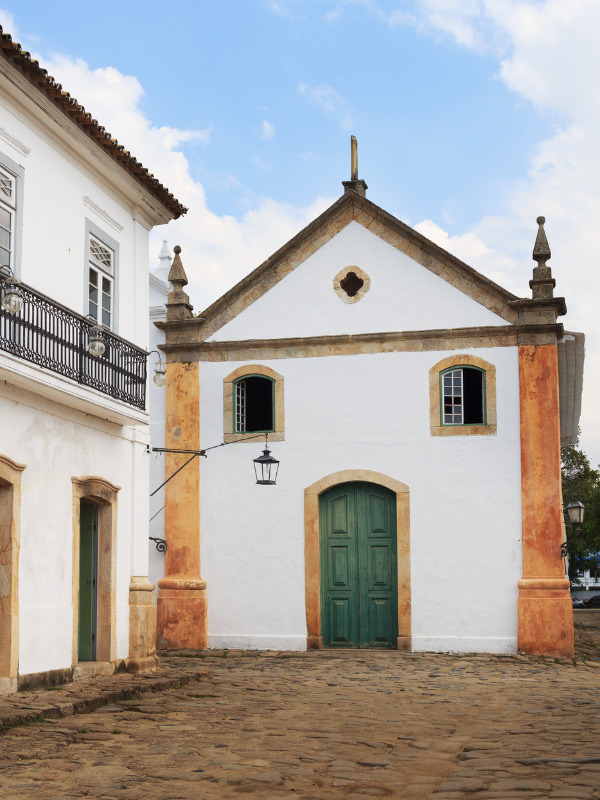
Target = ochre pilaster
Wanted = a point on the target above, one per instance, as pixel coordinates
(545, 609)
(182, 592)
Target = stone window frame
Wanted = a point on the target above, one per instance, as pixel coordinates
(104, 495)
(337, 284)
(437, 427)
(229, 433)
(15, 209)
(93, 231)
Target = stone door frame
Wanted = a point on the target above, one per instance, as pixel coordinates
(104, 495)
(10, 518)
(312, 552)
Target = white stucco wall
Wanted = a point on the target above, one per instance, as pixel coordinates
(57, 443)
(157, 402)
(365, 412)
(54, 211)
(68, 186)
(404, 296)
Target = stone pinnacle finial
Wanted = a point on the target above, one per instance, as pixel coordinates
(541, 249)
(178, 302)
(542, 285)
(177, 272)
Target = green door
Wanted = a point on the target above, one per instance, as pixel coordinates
(88, 568)
(359, 581)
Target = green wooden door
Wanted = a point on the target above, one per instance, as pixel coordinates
(359, 582)
(87, 580)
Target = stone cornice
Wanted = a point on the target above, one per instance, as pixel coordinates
(181, 347)
(539, 310)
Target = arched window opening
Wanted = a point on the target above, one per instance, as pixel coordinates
(463, 396)
(254, 401)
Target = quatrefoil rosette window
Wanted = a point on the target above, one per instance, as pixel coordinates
(351, 284)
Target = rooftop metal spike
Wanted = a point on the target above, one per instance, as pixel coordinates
(354, 184)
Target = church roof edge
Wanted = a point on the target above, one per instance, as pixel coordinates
(350, 206)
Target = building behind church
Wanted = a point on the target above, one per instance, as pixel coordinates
(76, 209)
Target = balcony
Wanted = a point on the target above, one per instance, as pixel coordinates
(52, 336)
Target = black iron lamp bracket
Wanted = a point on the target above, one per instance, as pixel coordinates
(161, 544)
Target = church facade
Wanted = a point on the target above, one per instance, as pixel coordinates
(415, 409)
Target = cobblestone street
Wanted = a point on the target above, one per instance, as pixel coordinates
(320, 725)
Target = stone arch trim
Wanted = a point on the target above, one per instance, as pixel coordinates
(10, 516)
(312, 555)
(462, 359)
(104, 494)
(229, 434)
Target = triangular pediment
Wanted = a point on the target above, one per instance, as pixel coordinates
(420, 272)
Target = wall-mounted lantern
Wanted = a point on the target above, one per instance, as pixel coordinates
(574, 513)
(13, 294)
(97, 343)
(266, 467)
(160, 370)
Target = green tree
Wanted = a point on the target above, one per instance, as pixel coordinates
(581, 482)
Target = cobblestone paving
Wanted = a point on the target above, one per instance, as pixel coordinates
(328, 725)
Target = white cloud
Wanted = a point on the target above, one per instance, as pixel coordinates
(267, 131)
(333, 15)
(471, 249)
(155, 147)
(260, 163)
(327, 99)
(287, 9)
(548, 54)
(217, 250)
(8, 24)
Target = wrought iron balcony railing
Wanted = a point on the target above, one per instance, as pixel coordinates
(54, 337)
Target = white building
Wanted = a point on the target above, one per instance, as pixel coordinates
(415, 408)
(75, 214)
(159, 290)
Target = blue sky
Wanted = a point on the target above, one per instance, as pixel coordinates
(472, 116)
(430, 118)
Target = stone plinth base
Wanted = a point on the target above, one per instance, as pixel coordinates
(8, 685)
(545, 617)
(142, 624)
(86, 670)
(182, 619)
(148, 664)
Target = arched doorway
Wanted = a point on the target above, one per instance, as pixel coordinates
(10, 514)
(95, 540)
(88, 581)
(312, 551)
(359, 586)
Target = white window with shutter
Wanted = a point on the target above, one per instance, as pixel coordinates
(8, 185)
(101, 281)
